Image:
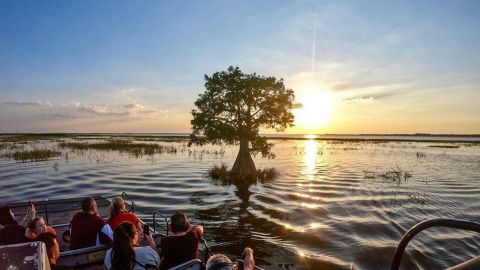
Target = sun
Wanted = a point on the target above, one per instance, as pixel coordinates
(316, 110)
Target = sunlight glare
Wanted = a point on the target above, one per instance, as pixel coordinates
(310, 157)
(317, 108)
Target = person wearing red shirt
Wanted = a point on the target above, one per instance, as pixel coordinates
(118, 214)
(183, 245)
(88, 228)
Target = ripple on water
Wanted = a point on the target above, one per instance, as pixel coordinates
(320, 214)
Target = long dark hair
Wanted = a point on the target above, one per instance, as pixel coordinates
(6, 216)
(123, 255)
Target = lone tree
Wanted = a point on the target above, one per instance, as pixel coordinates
(233, 109)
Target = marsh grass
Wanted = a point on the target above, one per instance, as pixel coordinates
(395, 174)
(223, 174)
(444, 146)
(421, 154)
(219, 172)
(25, 138)
(122, 146)
(164, 139)
(32, 155)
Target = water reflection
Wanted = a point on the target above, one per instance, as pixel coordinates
(310, 158)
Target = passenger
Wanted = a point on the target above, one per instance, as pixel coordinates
(222, 262)
(88, 228)
(8, 217)
(125, 253)
(119, 215)
(183, 245)
(38, 226)
(53, 249)
(11, 232)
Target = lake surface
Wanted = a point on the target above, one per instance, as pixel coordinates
(334, 206)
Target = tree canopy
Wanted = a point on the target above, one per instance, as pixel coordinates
(235, 106)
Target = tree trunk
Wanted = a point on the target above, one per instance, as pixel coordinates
(244, 165)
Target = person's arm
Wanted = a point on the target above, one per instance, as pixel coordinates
(151, 242)
(249, 262)
(197, 228)
(29, 215)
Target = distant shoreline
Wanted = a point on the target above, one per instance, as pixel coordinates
(417, 137)
(180, 134)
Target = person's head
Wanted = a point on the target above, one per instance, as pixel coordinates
(220, 262)
(89, 205)
(124, 238)
(179, 222)
(37, 225)
(51, 243)
(6, 216)
(117, 206)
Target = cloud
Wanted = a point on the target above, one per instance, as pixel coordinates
(146, 111)
(28, 103)
(134, 106)
(93, 109)
(358, 100)
(77, 111)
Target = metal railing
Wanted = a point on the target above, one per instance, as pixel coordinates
(155, 223)
(126, 198)
(435, 222)
(44, 208)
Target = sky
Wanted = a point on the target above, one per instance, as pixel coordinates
(138, 66)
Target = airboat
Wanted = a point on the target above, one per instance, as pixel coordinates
(32, 255)
(55, 212)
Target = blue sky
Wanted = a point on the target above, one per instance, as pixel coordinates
(138, 66)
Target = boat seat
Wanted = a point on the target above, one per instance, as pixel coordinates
(194, 264)
(60, 229)
(25, 256)
(472, 264)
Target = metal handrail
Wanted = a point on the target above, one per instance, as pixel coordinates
(207, 249)
(155, 223)
(46, 203)
(126, 197)
(435, 222)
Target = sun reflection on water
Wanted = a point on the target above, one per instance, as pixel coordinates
(310, 158)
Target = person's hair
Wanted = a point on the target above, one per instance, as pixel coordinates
(116, 206)
(86, 203)
(6, 217)
(33, 223)
(179, 222)
(123, 254)
(220, 262)
(50, 241)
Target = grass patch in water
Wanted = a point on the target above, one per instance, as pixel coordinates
(223, 174)
(32, 155)
(24, 138)
(123, 146)
(444, 146)
(396, 175)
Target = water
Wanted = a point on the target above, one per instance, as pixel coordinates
(323, 212)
